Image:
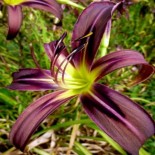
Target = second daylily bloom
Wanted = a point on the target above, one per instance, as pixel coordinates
(15, 12)
(77, 74)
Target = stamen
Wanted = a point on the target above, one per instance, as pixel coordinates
(59, 47)
(55, 60)
(86, 36)
(59, 42)
(67, 60)
(58, 51)
(84, 40)
(63, 72)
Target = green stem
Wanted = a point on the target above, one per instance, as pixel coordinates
(68, 2)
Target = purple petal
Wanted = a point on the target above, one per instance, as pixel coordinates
(32, 117)
(33, 80)
(93, 19)
(123, 58)
(14, 21)
(46, 5)
(118, 116)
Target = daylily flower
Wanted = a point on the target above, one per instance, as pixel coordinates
(15, 16)
(77, 74)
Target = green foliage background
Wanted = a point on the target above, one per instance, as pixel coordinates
(135, 32)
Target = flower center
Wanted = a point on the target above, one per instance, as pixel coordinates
(76, 80)
(13, 2)
(79, 80)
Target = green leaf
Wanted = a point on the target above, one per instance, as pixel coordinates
(82, 149)
(6, 98)
(143, 152)
(40, 152)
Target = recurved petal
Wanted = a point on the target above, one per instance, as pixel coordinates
(118, 116)
(46, 5)
(33, 80)
(33, 115)
(92, 20)
(120, 59)
(14, 21)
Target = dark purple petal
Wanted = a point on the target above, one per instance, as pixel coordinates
(14, 21)
(118, 116)
(93, 19)
(33, 80)
(123, 58)
(46, 5)
(33, 115)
